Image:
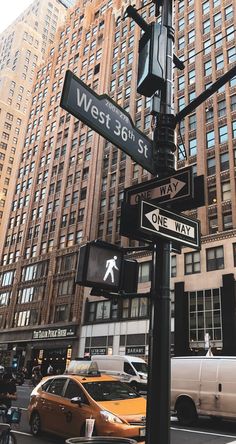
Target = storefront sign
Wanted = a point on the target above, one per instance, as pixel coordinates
(54, 333)
(135, 350)
(98, 351)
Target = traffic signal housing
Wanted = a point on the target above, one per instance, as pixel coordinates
(152, 60)
(102, 265)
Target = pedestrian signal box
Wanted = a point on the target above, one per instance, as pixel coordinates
(102, 265)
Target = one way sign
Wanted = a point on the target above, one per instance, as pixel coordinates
(170, 225)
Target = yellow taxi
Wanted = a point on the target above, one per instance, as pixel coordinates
(61, 404)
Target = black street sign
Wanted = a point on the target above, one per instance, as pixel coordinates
(170, 189)
(130, 227)
(172, 226)
(107, 118)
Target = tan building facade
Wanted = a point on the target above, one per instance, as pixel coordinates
(23, 47)
(75, 188)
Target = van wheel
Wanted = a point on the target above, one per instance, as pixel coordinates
(186, 412)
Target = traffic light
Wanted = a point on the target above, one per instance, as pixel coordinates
(102, 265)
(14, 364)
(152, 60)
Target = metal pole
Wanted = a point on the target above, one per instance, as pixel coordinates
(158, 401)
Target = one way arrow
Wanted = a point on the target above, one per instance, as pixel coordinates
(160, 221)
(171, 188)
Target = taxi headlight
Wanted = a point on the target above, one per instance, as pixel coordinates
(109, 417)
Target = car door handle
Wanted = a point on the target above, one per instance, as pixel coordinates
(62, 408)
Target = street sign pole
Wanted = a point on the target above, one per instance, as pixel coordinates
(158, 402)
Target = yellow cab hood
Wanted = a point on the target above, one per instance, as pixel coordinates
(126, 408)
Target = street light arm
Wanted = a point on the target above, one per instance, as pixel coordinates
(132, 13)
(205, 95)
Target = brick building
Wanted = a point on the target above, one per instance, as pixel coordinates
(76, 180)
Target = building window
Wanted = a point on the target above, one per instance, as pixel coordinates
(61, 313)
(223, 134)
(210, 139)
(231, 54)
(225, 191)
(234, 129)
(221, 108)
(173, 265)
(144, 274)
(192, 263)
(227, 221)
(217, 20)
(211, 166)
(193, 147)
(212, 195)
(139, 307)
(215, 258)
(234, 254)
(206, 26)
(103, 310)
(207, 68)
(205, 315)
(224, 161)
(213, 224)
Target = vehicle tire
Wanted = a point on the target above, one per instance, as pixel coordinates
(186, 412)
(35, 424)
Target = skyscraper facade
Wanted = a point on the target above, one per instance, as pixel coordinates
(70, 183)
(23, 47)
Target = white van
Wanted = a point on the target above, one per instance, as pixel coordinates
(203, 385)
(128, 369)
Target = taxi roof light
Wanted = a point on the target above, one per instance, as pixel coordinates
(83, 368)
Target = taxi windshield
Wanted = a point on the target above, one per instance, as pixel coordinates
(109, 391)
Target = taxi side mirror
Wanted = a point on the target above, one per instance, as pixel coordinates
(77, 400)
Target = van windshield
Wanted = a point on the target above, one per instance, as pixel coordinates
(109, 390)
(141, 367)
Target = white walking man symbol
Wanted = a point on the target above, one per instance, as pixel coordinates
(110, 266)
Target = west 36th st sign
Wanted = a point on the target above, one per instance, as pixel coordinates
(106, 117)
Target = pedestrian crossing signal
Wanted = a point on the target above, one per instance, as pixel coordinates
(102, 265)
